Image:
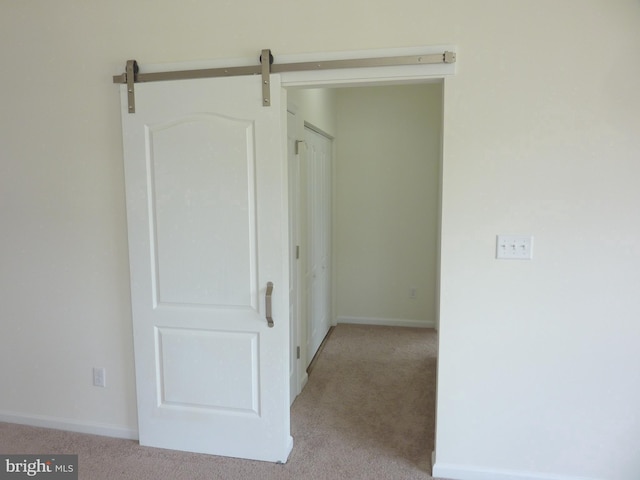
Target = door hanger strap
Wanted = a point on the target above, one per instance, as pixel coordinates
(266, 60)
(132, 71)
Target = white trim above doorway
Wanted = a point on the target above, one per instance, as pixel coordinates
(397, 75)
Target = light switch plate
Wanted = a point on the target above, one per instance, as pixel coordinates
(514, 247)
(99, 377)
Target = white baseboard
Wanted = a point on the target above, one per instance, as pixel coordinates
(304, 380)
(387, 322)
(457, 472)
(69, 425)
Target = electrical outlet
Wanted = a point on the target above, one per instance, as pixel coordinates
(412, 292)
(99, 377)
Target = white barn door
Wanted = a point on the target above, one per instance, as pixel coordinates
(206, 188)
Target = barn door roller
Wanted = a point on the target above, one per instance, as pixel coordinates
(267, 67)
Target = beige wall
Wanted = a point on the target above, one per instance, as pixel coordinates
(316, 106)
(541, 136)
(387, 169)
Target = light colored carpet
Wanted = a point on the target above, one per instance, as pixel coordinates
(367, 413)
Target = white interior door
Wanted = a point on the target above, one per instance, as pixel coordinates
(206, 188)
(318, 259)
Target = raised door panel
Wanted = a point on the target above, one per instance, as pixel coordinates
(203, 211)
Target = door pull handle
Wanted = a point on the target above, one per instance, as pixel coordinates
(268, 304)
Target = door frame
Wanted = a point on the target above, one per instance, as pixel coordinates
(362, 77)
(297, 375)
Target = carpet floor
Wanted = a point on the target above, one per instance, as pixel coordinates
(367, 412)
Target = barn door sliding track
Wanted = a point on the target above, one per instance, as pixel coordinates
(266, 67)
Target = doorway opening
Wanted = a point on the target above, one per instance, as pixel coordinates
(383, 205)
